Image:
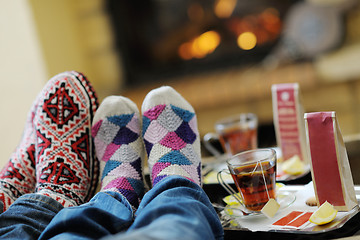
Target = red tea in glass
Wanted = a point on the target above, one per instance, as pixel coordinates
(235, 133)
(254, 174)
(237, 140)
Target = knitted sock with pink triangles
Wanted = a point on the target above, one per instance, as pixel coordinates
(66, 166)
(18, 175)
(119, 147)
(171, 136)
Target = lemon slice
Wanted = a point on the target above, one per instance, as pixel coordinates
(325, 214)
(293, 166)
(231, 200)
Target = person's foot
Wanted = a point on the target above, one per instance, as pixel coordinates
(66, 166)
(171, 136)
(18, 175)
(119, 147)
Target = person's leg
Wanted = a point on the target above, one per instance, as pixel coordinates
(116, 131)
(171, 136)
(119, 147)
(60, 121)
(107, 213)
(66, 166)
(176, 207)
(28, 216)
(18, 175)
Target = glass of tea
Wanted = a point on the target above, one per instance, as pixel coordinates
(254, 175)
(236, 134)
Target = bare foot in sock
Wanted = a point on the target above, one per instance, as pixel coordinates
(66, 168)
(18, 175)
(171, 136)
(119, 147)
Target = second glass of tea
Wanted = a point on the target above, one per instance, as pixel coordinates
(236, 134)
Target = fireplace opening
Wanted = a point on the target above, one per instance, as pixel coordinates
(162, 39)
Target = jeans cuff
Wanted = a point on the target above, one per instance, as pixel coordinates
(118, 196)
(41, 201)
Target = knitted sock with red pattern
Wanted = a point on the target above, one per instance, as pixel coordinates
(119, 147)
(171, 136)
(18, 175)
(66, 166)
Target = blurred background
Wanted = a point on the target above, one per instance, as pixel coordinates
(221, 55)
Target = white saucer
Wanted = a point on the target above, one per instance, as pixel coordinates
(285, 199)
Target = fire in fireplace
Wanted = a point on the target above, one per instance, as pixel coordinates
(159, 39)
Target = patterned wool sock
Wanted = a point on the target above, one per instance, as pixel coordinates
(18, 175)
(119, 147)
(66, 167)
(171, 136)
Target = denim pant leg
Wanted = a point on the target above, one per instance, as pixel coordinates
(107, 213)
(175, 208)
(28, 216)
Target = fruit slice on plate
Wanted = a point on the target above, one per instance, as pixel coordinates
(325, 214)
(293, 166)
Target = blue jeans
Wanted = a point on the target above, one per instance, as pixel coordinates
(175, 208)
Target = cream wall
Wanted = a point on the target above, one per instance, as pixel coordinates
(76, 35)
(41, 38)
(22, 71)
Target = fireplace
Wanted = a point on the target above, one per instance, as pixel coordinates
(161, 39)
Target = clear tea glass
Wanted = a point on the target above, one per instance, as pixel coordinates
(236, 134)
(254, 174)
